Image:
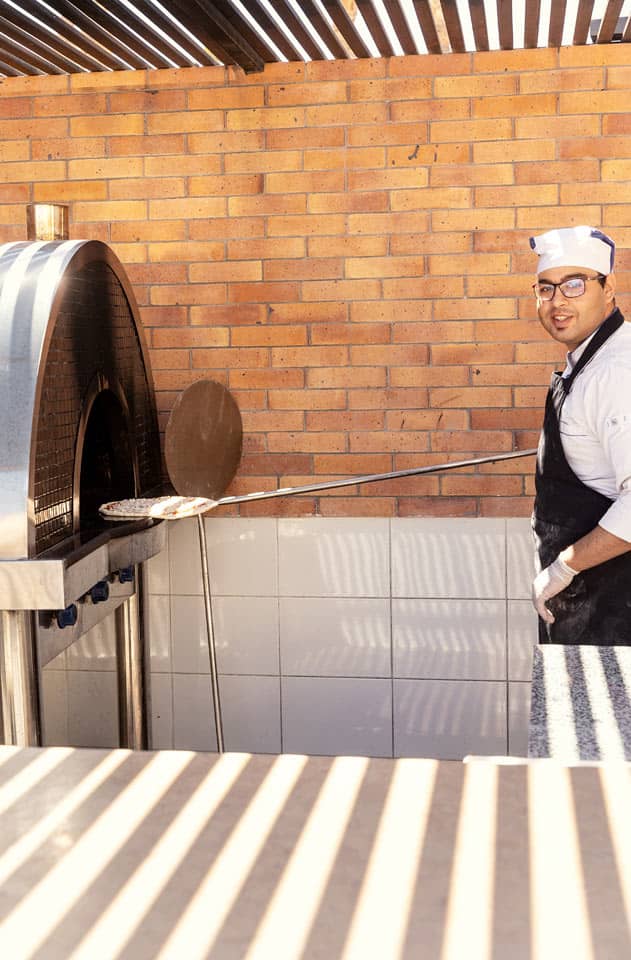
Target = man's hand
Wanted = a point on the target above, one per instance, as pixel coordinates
(548, 583)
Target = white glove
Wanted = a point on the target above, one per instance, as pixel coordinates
(548, 583)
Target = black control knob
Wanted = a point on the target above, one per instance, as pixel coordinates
(100, 591)
(126, 575)
(67, 617)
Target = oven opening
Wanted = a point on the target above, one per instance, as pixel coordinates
(107, 471)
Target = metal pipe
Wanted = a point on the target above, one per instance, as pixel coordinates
(130, 665)
(21, 725)
(210, 634)
(370, 478)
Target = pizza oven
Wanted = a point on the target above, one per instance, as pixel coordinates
(79, 428)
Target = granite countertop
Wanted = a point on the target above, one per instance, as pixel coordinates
(161, 856)
(581, 703)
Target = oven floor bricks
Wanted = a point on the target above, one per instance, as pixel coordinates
(344, 244)
(378, 637)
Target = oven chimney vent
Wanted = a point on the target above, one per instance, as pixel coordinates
(47, 221)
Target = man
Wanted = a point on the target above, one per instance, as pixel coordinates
(582, 514)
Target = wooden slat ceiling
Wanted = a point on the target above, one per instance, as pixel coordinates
(73, 36)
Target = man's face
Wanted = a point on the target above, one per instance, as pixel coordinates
(572, 320)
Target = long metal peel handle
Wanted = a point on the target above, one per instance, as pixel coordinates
(210, 633)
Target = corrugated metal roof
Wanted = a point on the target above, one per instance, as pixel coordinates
(74, 36)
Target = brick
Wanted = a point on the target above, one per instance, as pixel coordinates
(389, 134)
(17, 107)
(352, 464)
(561, 172)
(603, 147)
(545, 218)
(163, 273)
(278, 381)
(116, 80)
(310, 356)
(60, 149)
(267, 206)
(18, 150)
(305, 182)
(72, 105)
(433, 332)
(418, 111)
(226, 142)
(163, 317)
(141, 146)
(328, 442)
(331, 377)
(349, 246)
(431, 197)
(342, 70)
(429, 64)
(170, 359)
(187, 337)
(472, 353)
(262, 421)
(307, 399)
(21, 171)
(620, 123)
(331, 268)
(477, 129)
(375, 399)
(111, 210)
(430, 153)
(230, 315)
(185, 208)
(392, 179)
(438, 507)
(226, 228)
(173, 77)
(263, 292)
(513, 374)
(265, 118)
(146, 101)
(544, 81)
(365, 202)
(348, 114)
(307, 312)
(389, 354)
(127, 252)
(356, 507)
(473, 219)
(506, 418)
(147, 189)
(499, 61)
(228, 186)
(344, 420)
(481, 440)
(616, 170)
(351, 333)
(34, 86)
(268, 336)
(517, 106)
(275, 463)
(304, 138)
(401, 310)
(476, 86)
(427, 419)
(385, 267)
(505, 507)
(286, 95)
(105, 168)
(184, 121)
(421, 287)
(173, 251)
(572, 193)
(186, 294)
(460, 396)
(248, 357)
(105, 126)
(391, 88)
(226, 98)
(266, 248)
(151, 230)
(225, 272)
(262, 161)
(537, 128)
(597, 54)
(185, 166)
(468, 263)
(67, 191)
(423, 376)
(430, 243)
(471, 174)
(514, 151)
(602, 101)
(452, 485)
(341, 289)
(381, 441)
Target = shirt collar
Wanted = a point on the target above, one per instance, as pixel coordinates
(572, 358)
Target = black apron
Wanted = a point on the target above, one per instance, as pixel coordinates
(596, 607)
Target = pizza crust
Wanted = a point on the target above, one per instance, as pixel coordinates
(160, 508)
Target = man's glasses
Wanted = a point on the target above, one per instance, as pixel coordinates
(574, 287)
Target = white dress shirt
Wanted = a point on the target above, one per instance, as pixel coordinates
(595, 426)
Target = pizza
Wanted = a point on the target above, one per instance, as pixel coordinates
(159, 508)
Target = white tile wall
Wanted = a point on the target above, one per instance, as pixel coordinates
(332, 636)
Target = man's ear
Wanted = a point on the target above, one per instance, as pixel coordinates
(610, 288)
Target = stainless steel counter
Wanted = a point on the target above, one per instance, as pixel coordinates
(118, 854)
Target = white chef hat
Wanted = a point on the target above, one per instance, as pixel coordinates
(574, 247)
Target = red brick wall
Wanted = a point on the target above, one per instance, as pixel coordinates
(345, 245)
